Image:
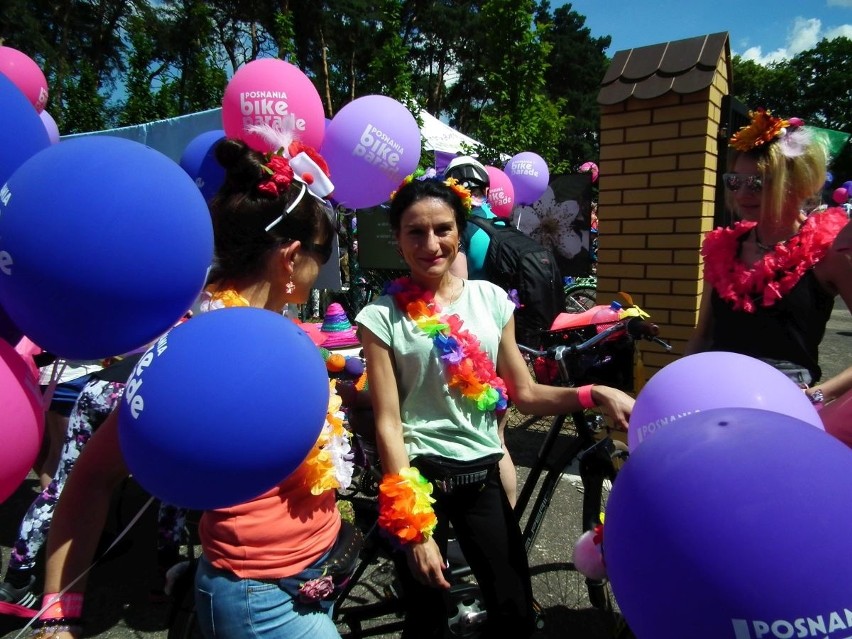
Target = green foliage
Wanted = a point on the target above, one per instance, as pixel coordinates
(516, 75)
(812, 85)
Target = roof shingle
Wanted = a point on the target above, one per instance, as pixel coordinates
(682, 66)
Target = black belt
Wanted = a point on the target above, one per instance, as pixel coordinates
(448, 484)
(447, 475)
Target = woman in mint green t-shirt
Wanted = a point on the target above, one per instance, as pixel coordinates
(442, 358)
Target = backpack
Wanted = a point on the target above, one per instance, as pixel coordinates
(516, 261)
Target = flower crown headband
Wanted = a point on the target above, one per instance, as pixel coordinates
(291, 161)
(765, 129)
(452, 183)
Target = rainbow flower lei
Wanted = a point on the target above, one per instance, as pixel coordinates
(466, 365)
(330, 462)
(405, 506)
(775, 274)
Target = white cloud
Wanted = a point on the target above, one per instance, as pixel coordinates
(804, 34)
(839, 3)
(843, 31)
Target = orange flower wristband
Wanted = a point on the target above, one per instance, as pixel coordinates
(405, 506)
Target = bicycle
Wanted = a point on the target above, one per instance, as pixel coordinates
(582, 355)
(580, 293)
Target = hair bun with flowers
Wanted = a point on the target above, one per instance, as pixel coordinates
(452, 183)
(291, 160)
(765, 128)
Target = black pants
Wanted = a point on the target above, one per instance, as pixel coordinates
(489, 536)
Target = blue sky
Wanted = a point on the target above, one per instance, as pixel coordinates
(759, 31)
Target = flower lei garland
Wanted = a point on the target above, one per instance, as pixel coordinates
(405, 506)
(452, 183)
(466, 365)
(329, 463)
(775, 274)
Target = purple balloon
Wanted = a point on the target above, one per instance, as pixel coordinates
(199, 161)
(529, 175)
(370, 146)
(848, 186)
(716, 379)
(733, 525)
(50, 126)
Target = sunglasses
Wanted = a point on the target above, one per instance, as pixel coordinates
(322, 251)
(735, 181)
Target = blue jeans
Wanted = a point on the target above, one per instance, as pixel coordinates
(232, 608)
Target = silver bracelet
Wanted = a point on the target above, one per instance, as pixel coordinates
(816, 397)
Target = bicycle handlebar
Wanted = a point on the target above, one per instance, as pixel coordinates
(636, 327)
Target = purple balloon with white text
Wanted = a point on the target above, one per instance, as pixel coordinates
(370, 146)
(715, 379)
(529, 175)
(733, 526)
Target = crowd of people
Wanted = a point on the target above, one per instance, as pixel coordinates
(443, 364)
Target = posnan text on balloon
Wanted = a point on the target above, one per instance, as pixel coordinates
(5, 195)
(377, 147)
(814, 627)
(646, 429)
(134, 400)
(268, 107)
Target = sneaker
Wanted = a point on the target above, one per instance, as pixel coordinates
(21, 597)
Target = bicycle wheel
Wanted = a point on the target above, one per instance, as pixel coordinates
(580, 298)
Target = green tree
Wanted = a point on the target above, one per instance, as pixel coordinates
(576, 65)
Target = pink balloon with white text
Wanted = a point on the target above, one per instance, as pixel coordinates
(274, 92)
(25, 73)
(501, 194)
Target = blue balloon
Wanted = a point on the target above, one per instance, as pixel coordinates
(734, 524)
(9, 333)
(223, 408)
(22, 132)
(104, 245)
(199, 161)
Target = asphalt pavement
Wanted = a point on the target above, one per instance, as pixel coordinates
(119, 604)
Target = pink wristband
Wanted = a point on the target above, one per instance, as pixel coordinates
(68, 605)
(584, 395)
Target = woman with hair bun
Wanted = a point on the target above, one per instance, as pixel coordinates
(262, 569)
(772, 277)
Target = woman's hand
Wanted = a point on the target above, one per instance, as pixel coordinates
(426, 564)
(616, 404)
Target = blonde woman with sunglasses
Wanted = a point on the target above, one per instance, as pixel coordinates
(771, 279)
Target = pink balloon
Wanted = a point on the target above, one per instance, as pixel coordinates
(714, 379)
(590, 167)
(501, 196)
(23, 71)
(529, 175)
(836, 416)
(370, 146)
(588, 557)
(22, 424)
(274, 92)
(840, 195)
(50, 127)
